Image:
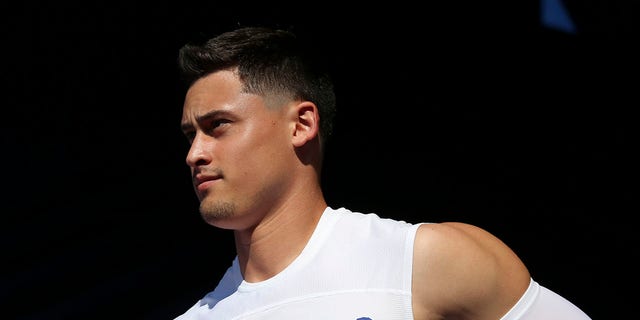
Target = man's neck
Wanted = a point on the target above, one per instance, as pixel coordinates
(271, 246)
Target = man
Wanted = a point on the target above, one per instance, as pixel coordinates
(258, 113)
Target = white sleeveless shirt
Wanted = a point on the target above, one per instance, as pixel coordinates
(355, 267)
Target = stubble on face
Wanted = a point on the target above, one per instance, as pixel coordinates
(216, 211)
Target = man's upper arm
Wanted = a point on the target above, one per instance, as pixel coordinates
(462, 271)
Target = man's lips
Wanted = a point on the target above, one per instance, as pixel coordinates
(203, 186)
(202, 182)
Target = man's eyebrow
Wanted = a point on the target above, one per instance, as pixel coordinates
(186, 126)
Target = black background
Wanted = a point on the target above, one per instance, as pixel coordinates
(467, 112)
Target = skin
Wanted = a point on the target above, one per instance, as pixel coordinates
(265, 185)
(255, 162)
(461, 271)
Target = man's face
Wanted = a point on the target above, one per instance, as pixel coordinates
(240, 150)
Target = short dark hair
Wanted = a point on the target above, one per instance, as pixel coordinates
(268, 61)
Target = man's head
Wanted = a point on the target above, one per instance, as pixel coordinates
(269, 62)
(256, 111)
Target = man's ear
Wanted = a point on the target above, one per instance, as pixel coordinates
(307, 123)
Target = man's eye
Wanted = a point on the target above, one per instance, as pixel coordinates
(218, 123)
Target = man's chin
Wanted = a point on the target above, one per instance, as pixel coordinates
(214, 211)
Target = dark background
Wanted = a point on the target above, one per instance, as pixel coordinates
(468, 112)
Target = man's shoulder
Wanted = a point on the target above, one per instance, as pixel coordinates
(464, 262)
(456, 240)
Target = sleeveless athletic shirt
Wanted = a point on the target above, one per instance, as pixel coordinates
(356, 266)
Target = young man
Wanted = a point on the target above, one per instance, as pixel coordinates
(257, 113)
